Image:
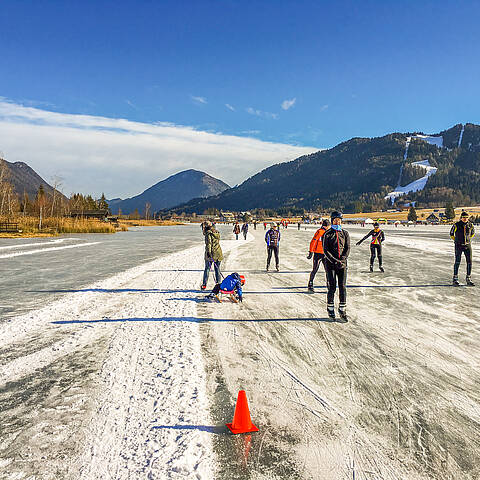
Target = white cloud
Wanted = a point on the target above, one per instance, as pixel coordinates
(323, 108)
(286, 104)
(121, 157)
(260, 113)
(199, 100)
(230, 107)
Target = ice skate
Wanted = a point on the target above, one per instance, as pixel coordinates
(469, 282)
(382, 269)
(343, 315)
(310, 288)
(455, 282)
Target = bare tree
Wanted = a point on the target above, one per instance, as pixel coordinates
(57, 182)
(147, 210)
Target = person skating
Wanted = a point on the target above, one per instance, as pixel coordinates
(254, 225)
(231, 283)
(236, 230)
(336, 248)
(378, 237)
(245, 230)
(316, 250)
(213, 254)
(272, 239)
(462, 233)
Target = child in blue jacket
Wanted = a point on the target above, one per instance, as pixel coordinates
(232, 282)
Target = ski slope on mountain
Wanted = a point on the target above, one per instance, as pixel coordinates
(420, 183)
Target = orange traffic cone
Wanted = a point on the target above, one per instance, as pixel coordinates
(242, 423)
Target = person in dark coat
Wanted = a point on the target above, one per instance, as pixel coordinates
(336, 248)
(272, 239)
(462, 233)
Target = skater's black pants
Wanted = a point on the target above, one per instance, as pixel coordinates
(216, 289)
(334, 276)
(272, 249)
(467, 251)
(375, 250)
(317, 260)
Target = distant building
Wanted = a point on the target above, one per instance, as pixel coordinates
(100, 214)
(432, 218)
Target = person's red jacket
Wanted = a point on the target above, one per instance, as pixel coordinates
(316, 243)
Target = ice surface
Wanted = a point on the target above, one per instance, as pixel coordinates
(134, 376)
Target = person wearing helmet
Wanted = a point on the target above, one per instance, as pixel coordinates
(231, 283)
(336, 248)
(316, 250)
(462, 233)
(378, 237)
(213, 253)
(272, 239)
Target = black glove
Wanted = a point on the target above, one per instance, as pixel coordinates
(310, 255)
(358, 243)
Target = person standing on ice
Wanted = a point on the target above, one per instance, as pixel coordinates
(378, 237)
(236, 230)
(316, 250)
(462, 233)
(336, 248)
(272, 239)
(245, 230)
(213, 254)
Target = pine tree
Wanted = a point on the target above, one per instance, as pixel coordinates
(449, 211)
(412, 214)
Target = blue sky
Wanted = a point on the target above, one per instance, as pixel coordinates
(340, 69)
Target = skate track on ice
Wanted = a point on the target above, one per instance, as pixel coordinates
(134, 376)
(393, 394)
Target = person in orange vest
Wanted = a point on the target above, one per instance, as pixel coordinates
(378, 237)
(316, 250)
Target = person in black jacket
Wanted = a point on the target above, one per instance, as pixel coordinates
(378, 237)
(336, 248)
(462, 233)
(272, 239)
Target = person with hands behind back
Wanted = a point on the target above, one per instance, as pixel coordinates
(336, 248)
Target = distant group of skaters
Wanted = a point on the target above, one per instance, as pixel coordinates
(330, 246)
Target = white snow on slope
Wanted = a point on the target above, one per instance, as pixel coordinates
(461, 137)
(437, 141)
(420, 183)
(416, 185)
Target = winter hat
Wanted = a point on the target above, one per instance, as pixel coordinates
(376, 224)
(464, 214)
(336, 214)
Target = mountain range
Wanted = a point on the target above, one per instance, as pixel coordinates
(24, 179)
(174, 190)
(359, 174)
